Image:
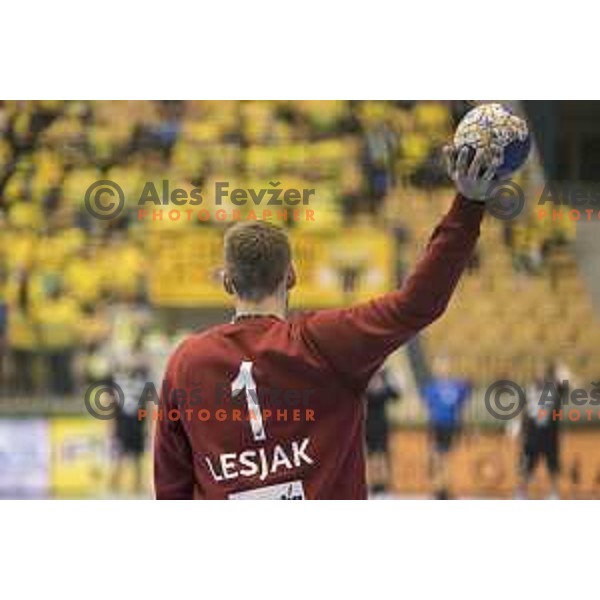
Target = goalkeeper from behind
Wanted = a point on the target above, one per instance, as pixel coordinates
(263, 365)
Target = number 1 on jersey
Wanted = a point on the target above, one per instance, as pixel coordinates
(245, 381)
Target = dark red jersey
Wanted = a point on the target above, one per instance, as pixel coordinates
(271, 408)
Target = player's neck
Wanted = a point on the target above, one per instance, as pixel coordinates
(271, 306)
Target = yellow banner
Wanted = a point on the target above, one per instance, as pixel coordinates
(332, 271)
(185, 268)
(80, 457)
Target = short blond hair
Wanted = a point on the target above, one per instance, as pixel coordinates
(257, 258)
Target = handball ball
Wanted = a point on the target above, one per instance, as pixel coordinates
(501, 134)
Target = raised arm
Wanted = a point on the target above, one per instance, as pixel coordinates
(355, 341)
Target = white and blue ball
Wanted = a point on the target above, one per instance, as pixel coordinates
(502, 135)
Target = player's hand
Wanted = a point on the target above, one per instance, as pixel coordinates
(471, 180)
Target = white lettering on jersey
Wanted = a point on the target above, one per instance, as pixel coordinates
(251, 463)
(245, 381)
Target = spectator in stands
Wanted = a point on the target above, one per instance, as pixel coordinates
(22, 334)
(58, 319)
(445, 397)
(167, 130)
(3, 312)
(96, 344)
(378, 156)
(84, 274)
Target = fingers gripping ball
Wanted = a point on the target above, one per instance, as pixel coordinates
(503, 136)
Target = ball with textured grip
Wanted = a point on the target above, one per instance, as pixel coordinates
(501, 134)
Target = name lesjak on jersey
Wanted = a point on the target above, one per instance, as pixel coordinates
(259, 462)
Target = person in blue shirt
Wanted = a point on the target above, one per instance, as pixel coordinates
(445, 397)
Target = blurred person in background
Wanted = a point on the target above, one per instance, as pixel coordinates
(96, 340)
(58, 318)
(445, 397)
(382, 389)
(377, 160)
(3, 313)
(23, 339)
(131, 376)
(159, 345)
(540, 427)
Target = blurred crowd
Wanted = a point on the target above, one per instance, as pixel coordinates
(62, 271)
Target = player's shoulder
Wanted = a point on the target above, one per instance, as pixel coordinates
(300, 316)
(206, 340)
(197, 340)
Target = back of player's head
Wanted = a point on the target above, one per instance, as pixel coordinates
(257, 259)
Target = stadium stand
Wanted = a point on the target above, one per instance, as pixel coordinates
(379, 160)
(50, 153)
